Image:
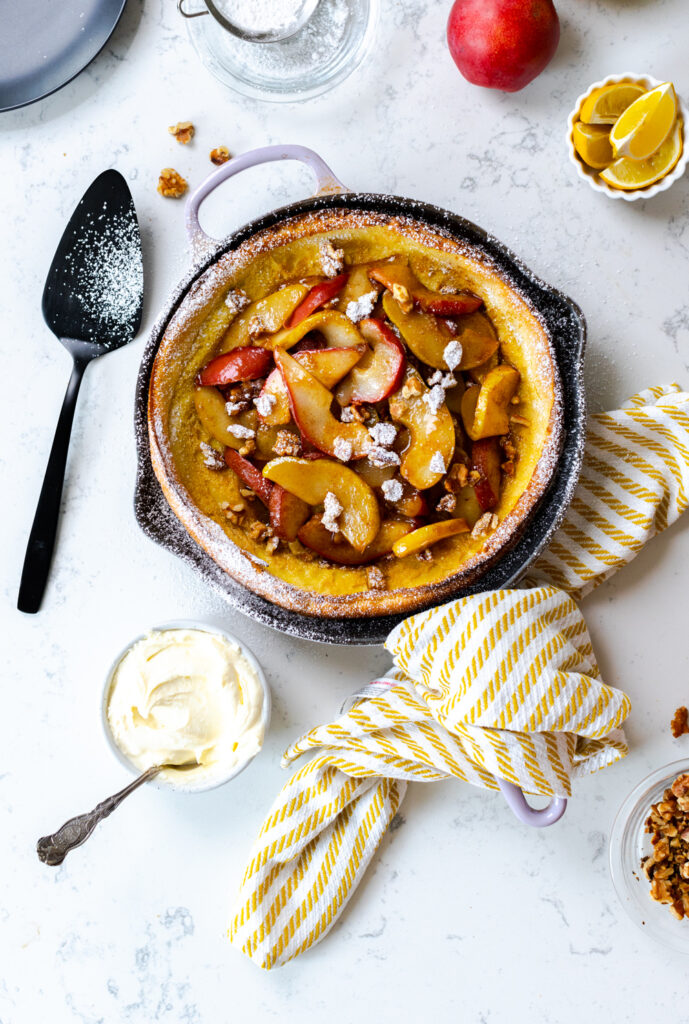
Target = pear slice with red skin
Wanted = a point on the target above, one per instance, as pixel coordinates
(310, 402)
(288, 513)
(428, 336)
(249, 475)
(430, 432)
(398, 273)
(237, 365)
(328, 365)
(486, 458)
(422, 538)
(312, 480)
(271, 312)
(313, 535)
(380, 371)
(317, 297)
(337, 329)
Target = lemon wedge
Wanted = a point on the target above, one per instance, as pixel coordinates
(645, 124)
(592, 143)
(627, 173)
(605, 105)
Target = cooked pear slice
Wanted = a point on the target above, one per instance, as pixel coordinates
(479, 341)
(398, 274)
(425, 335)
(338, 330)
(210, 409)
(314, 535)
(328, 365)
(431, 433)
(381, 370)
(312, 479)
(310, 402)
(485, 409)
(358, 285)
(427, 535)
(321, 293)
(269, 314)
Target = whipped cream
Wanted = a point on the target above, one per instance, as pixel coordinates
(185, 694)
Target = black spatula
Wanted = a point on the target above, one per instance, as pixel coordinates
(92, 302)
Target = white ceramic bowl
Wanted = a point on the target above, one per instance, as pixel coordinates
(628, 844)
(592, 177)
(186, 783)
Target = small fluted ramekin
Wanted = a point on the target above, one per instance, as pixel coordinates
(592, 177)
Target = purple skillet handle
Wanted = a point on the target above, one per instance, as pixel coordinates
(514, 797)
(516, 801)
(326, 183)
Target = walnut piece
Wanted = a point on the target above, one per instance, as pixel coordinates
(171, 184)
(286, 443)
(220, 155)
(667, 867)
(485, 525)
(183, 131)
(376, 579)
(680, 723)
(402, 297)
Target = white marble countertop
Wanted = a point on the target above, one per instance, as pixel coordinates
(465, 914)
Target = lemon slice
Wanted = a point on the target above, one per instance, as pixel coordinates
(645, 124)
(627, 173)
(592, 143)
(605, 105)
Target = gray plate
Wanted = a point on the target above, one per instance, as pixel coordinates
(567, 328)
(46, 43)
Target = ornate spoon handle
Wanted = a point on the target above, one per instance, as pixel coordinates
(53, 849)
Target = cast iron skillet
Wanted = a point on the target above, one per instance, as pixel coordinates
(561, 317)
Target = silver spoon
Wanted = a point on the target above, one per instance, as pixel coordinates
(54, 848)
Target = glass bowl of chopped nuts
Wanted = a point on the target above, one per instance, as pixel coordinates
(649, 855)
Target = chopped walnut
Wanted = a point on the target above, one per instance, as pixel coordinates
(212, 458)
(286, 443)
(680, 723)
(448, 503)
(272, 544)
(485, 525)
(183, 131)
(256, 326)
(426, 555)
(220, 155)
(515, 399)
(507, 467)
(248, 448)
(475, 476)
(258, 531)
(376, 579)
(402, 297)
(521, 421)
(667, 867)
(332, 259)
(457, 477)
(171, 184)
(508, 447)
(412, 387)
(246, 492)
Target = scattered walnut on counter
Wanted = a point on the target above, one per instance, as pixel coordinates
(667, 868)
(183, 131)
(680, 723)
(171, 184)
(220, 155)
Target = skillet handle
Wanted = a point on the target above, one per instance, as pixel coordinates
(516, 801)
(513, 795)
(326, 184)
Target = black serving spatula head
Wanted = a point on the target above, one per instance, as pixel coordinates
(94, 289)
(93, 302)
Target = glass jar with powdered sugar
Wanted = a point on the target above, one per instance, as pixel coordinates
(280, 50)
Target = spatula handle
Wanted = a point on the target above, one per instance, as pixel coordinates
(39, 550)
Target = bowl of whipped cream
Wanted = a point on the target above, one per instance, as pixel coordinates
(182, 692)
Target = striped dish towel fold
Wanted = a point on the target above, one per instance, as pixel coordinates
(502, 684)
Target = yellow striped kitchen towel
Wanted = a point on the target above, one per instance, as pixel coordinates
(496, 685)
